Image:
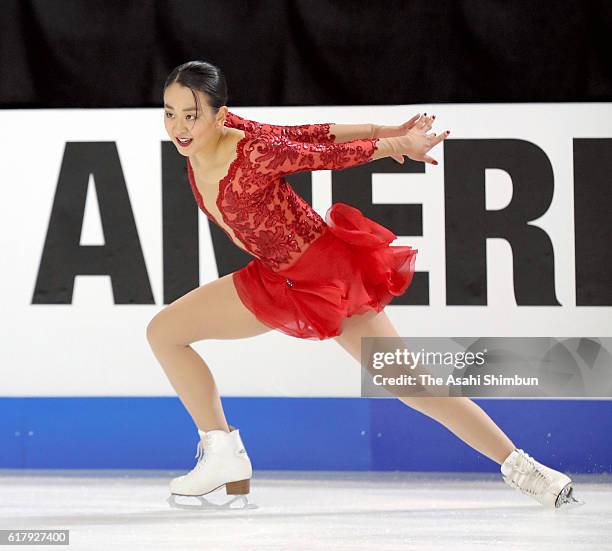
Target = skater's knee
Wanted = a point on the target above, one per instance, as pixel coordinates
(158, 330)
(168, 328)
(152, 331)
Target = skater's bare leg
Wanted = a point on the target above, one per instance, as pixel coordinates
(459, 414)
(212, 311)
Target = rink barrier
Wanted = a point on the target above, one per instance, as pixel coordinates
(295, 434)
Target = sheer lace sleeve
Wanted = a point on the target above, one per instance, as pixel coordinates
(308, 133)
(276, 155)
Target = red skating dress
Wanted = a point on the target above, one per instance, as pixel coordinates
(308, 274)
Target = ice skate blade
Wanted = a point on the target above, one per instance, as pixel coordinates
(237, 502)
(566, 499)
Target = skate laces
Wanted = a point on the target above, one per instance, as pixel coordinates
(527, 475)
(204, 446)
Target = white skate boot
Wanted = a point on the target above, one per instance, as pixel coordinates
(551, 488)
(222, 461)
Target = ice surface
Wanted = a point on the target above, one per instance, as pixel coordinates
(304, 510)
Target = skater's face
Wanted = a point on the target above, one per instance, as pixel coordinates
(187, 131)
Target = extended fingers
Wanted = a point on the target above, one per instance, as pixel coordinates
(440, 137)
(437, 139)
(425, 122)
(410, 123)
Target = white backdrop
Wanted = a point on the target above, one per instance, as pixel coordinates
(93, 347)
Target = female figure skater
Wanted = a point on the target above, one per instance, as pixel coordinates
(310, 278)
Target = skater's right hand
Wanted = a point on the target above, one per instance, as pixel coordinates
(416, 142)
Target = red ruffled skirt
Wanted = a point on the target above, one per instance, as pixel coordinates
(350, 269)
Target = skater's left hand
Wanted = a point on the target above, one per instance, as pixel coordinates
(402, 129)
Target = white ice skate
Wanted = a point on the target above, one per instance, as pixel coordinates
(222, 461)
(551, 488)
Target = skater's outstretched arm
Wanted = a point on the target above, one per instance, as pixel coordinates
(278, 155)
(308, 133)
(332, 132)
(319, 132)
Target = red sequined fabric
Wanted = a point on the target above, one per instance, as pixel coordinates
(310, 133)
(308, 274)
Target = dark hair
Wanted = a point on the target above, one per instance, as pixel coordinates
(204, 77)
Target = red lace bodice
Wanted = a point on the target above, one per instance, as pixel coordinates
(268, 218)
